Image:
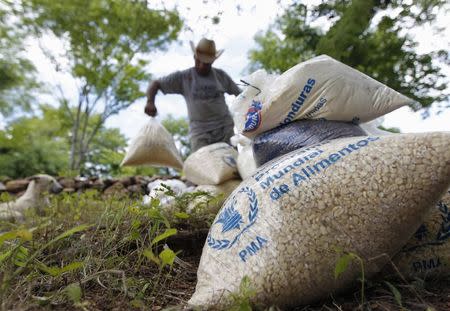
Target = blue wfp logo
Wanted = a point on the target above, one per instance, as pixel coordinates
(253, 118)
(230, 223)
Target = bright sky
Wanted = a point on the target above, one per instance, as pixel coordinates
(235, 34)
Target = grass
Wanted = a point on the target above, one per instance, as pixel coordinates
(89, 252)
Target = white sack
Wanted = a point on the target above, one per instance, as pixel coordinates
(256, 83)
(282, 226)
(321, 87)
(211, 165)
(154, 146)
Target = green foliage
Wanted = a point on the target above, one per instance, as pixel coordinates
(106, 152)
(34, 145)
(56, 271)
(342, 264)
(17, 80)
(391, 129)
(74, 292)
(382, 49)
(167, 233)
(113, 255)
(41, 144)
(241, 299)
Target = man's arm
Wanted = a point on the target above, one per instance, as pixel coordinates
(152, 89)
(170, 84)
(231, 87)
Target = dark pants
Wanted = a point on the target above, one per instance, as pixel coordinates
(222, 134)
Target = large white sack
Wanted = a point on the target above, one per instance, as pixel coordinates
(211, 165)
(255, 84)
(321, 87)
(154, 146)
(427, 253)
(281, 228)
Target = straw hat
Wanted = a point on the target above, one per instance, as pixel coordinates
(205, 51)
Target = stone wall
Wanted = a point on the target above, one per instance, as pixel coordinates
(133, 186)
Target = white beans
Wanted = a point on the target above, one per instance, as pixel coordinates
(282, 226)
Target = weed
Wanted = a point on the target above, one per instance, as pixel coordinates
(85, 244)
(342, 265)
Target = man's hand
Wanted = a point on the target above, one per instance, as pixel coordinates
(150, 109)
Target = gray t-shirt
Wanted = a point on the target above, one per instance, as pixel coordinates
(204, 97)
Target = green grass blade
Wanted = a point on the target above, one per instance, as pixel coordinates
(396, 293)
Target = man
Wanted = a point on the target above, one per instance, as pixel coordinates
(203, 88)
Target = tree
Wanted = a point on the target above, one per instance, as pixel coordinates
(106, 153)
(41, 144)
(17, 80)
(34, 145)
(106, 42)
(383, 49)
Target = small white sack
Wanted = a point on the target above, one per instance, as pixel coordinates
(211, 165)
(154, 146)
(320, 88)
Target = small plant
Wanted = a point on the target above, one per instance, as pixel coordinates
(241, 299)
(396, 293)
(85, 244)
(342, 264)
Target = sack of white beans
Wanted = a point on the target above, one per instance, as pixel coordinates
(153, 145)
(211, 165)
(282, 227)
(300, 134)
(320, 88)
(427, 253)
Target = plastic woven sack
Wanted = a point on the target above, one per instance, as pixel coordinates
(211, 165)
(154, 146)
(299, 134)
(427, 253)
(285, 228)
(320, 88)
